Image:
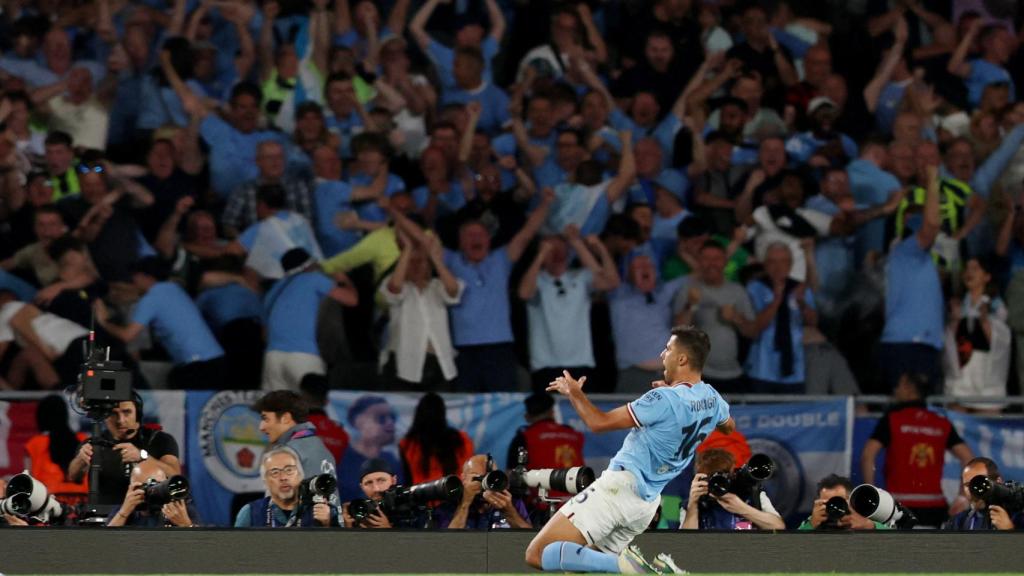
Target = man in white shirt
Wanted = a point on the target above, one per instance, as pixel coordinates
(52, 345)
(277, 232)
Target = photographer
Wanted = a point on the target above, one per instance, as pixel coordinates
(282, 475)
(705, 511)
(136, 511)
(125, 442)
(830, 487)
(375, 478)
(485, 509)
(982, 515)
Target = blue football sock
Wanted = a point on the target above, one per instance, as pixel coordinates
(571, 557)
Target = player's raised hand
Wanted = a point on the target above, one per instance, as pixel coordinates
(566, 384)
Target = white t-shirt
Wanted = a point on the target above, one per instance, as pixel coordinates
(769, 233)
(55, 331)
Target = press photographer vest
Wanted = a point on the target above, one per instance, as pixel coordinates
(553, 445)
(261, 516)
(915, 456)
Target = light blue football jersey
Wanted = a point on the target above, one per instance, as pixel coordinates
(671, 423)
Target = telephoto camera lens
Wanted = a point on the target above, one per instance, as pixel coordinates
(16, 505)
(572, 480)
(360, 509)
(494, 481)
(170, 490)
(323, 485)
(448, 489)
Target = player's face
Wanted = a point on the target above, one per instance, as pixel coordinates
(672, 359)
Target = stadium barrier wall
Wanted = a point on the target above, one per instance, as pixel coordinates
(311, 551)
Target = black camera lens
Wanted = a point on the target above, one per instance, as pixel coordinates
(719, 484)
(836, 507)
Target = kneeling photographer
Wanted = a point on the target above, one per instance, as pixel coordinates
(486, 502)
(832, 510)
(994, 505)
(725, 498)
(291, 500)
(154, 500)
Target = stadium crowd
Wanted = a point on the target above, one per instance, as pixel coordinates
(467, 196)
(430, 195)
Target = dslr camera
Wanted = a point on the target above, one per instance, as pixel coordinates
(157, 494)
(836, 508)
(401, 504)
(1009, 496)
(742, 481)
(317, 489)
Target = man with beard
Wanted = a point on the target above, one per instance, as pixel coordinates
(282, 476)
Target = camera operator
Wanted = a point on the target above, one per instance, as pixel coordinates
(283, 418)
(981, 515)
(375, 478)
(705, 511)
(125, 442)
(485, 509)
(830, 487)
(282, 475)
(134, 512)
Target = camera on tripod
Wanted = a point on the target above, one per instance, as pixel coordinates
(743, 480)
(401, 504)
(1009, 496)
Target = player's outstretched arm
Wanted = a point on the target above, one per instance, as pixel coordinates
(595, 419)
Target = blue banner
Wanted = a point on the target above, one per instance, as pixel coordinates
(806, 440)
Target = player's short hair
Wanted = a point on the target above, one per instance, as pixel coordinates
(281, 402)
(715, 460)
(833, 481)
(696, 343)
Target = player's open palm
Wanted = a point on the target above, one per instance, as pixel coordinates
(566, 384)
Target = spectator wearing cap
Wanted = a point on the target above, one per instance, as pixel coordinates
(241, 210)
(372, 421)
(433, 449)
(821, 145)
(548, 444)
(376, 476)
(284, 418)
(314, 390)
(290, 311)
(641, 314)
(469, 33)
(558, 303)
(177, 325)
(277, 231)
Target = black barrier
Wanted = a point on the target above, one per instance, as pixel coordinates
(223, 551)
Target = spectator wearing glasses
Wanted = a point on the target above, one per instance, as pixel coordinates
(284, 418)
(558, 303)
(373, 421)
